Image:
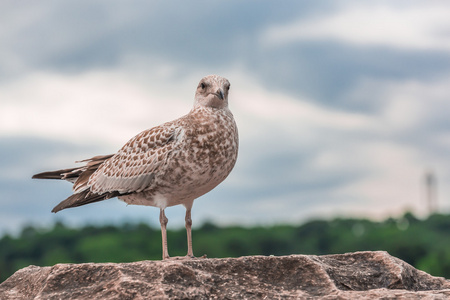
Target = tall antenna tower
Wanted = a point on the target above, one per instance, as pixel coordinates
(431, 191)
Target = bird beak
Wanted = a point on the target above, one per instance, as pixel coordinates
(220, 94)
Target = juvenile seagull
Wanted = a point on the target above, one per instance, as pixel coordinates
(167, 165)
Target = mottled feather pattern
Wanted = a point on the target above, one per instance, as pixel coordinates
(83, 174)
(133, 168)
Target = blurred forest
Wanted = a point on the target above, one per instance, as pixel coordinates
(424, 244)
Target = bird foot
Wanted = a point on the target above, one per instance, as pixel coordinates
(185, 257)
(193, 257)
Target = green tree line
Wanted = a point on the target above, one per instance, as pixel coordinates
(424, 244)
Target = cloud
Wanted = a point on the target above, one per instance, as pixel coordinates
(423, 26)
(410, 138)
(93, 106)
(304, 150)
(78, 35)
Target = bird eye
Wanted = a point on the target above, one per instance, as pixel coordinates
(203, 85)
(228, 87)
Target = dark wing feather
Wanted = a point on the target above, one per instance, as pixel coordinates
(58, 174)
(83, 198)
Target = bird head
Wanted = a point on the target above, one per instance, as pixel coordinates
(212, 91)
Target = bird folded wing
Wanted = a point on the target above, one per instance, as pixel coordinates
(135, 166)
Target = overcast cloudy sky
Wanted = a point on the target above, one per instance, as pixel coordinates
(341, 105)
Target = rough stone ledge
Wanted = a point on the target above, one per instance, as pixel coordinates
(359, 275)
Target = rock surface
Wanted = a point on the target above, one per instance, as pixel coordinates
(360, 275)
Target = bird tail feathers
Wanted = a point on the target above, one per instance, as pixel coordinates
(80, 178)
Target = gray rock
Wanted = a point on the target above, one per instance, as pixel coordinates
(360, 275)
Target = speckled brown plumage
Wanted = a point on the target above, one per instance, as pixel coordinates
(167, 165)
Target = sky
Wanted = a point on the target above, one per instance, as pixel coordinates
(342, 106)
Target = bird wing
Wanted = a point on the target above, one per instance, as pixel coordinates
(133, 168)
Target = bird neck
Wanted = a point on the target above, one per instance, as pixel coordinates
(199, 108)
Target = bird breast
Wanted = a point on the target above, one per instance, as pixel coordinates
(208, 154)
(204, 155)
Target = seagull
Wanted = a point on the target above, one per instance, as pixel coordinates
(170, 164)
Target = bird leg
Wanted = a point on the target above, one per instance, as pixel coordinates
(163, 220)
(188, 220)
